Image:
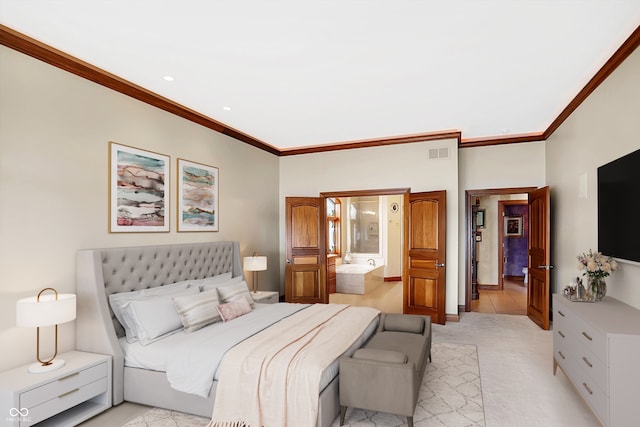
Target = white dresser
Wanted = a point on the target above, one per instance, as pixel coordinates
(597, 345)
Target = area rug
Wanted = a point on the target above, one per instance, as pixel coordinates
(450, 395)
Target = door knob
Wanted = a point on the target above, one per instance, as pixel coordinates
(545, 267)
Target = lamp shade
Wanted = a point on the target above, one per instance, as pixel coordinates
(48, 311)
(255, 263)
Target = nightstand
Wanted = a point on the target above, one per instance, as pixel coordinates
(64, 397)
(266, 297)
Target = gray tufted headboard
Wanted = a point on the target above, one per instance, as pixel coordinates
(101, 272)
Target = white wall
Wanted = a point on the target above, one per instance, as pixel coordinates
(54, 134)
(498, 166)
(396, 166)
(605, 127)
(488, 248)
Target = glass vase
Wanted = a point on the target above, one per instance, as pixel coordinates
(597, 288)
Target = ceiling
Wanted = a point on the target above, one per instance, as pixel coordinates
(299, 74)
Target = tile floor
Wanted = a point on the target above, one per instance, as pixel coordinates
(515, 357)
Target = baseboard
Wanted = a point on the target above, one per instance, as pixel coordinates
(515, 278)
(455, 317)
(489, 287)
(393, 279)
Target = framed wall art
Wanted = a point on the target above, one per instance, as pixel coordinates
(138, 194)
(480, 218)
(513, 226)
(197, 197)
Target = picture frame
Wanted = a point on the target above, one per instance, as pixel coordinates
(198, 196)
(480, 218)
(138, 190)
(513, 225)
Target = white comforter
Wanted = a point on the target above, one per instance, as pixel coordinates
(191, 360)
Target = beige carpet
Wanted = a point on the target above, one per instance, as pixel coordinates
(451, 396)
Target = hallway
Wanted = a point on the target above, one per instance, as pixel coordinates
(511, 300)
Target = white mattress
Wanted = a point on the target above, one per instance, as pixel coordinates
(180, 354)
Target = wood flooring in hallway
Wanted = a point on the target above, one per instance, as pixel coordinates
(511, 300)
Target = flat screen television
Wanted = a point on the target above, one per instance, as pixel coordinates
(619, 208)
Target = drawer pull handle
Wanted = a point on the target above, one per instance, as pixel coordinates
(587, 362)
(561, 334)
(587, 387)
(68, 393)
(560, 313)
(587, 336)
(69, 376)
(561, 355)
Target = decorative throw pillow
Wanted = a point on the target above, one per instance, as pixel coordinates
(230, 292)
(233, 309)
(197, 311)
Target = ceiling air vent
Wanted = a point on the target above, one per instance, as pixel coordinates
(439, 153)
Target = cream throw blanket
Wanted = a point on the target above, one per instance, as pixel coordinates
(273, 378)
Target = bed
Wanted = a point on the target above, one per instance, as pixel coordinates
(101, 273)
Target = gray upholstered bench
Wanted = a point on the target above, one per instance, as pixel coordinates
(386, 373)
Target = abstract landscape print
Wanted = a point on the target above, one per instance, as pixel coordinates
(197, 197)
(138, 194)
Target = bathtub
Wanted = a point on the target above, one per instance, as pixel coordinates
(358, 278)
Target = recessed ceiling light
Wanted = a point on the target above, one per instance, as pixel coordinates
(226, 108)
(169, 78)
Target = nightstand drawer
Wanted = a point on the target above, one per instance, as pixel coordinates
(60, 387)
(266, 297)
(271, 299)
(64, 401)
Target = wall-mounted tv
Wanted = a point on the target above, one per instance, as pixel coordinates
(619, 208)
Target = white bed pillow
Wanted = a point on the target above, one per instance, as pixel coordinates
(229, 293)
(118, 300)
(197, 311)
(154, 317)
(217, 281)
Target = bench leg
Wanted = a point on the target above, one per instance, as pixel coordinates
(343, 412)
(410, 421)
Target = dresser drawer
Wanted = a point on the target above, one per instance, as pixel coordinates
(60, 403)
(596, 370)
(593, 394)
(594, 341)
(36, 396)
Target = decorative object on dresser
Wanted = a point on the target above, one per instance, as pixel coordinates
(597, 347)
(46, 310)
(64, 397)
(255, 263)
(596, 267)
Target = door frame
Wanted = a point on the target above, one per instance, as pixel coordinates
(469, 198)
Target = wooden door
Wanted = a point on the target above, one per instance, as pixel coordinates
(305, 271)
(424, 261)
(538, 294)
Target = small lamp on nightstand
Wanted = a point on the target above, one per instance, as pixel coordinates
(255, 263)
(46, 310)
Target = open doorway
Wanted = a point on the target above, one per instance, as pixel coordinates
(365, 248)
(497, 250)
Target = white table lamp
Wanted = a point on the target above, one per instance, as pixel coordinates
(255, 263)
(46, 310)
